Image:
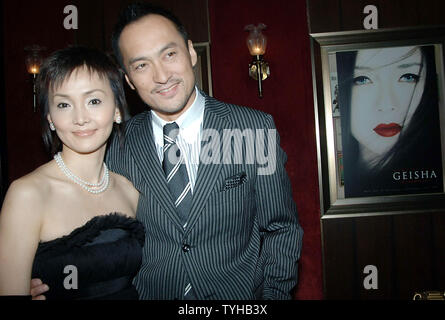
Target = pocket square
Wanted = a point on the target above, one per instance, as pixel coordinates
(235, 181)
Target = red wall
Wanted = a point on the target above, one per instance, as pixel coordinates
(287, 96)
(27, 23)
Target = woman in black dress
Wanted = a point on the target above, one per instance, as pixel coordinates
(71, 222)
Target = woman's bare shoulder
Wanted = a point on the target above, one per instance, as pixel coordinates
(32, 188)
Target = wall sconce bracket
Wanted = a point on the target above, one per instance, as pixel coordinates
(257, 42)
(33, 61)
(258, 65)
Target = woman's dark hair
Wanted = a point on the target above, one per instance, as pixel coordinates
(420, 138)
(58, 67)
(134, 12)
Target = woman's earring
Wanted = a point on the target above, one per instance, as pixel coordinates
(118, 119)
(51, 126)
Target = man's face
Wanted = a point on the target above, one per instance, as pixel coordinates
(159, 65)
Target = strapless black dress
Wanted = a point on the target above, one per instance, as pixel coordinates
(96, 261)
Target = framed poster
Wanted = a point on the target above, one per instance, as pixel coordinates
(380, 119)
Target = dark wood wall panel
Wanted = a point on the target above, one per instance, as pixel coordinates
(339, 260)
(438, 227)
(413, 256)
(407, 249)
(319, 22)
(374, 243)
(343, 15)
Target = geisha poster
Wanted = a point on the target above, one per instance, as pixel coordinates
(389, 121)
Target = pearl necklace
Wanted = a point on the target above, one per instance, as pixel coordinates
(90, 187)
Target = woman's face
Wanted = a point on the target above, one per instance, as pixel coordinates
(83, 109)
(387, 87)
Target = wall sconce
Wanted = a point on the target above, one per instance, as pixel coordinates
(33, 61)
(257, 42)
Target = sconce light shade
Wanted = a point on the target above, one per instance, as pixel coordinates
(256, 41)
(33, 59)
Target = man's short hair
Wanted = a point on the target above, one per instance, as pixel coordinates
(134, 12)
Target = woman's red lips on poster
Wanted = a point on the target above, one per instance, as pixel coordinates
(388, 130)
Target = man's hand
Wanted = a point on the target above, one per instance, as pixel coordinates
(37, 289)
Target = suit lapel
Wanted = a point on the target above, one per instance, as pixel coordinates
(144, 153)
(214, 118)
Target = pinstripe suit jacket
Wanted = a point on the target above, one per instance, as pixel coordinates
(243, 239)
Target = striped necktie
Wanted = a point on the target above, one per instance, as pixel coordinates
(176, 173)
(178, 182)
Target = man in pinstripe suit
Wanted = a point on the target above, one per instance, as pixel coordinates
(240, 237)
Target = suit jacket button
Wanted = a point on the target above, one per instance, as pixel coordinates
(186, 248)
